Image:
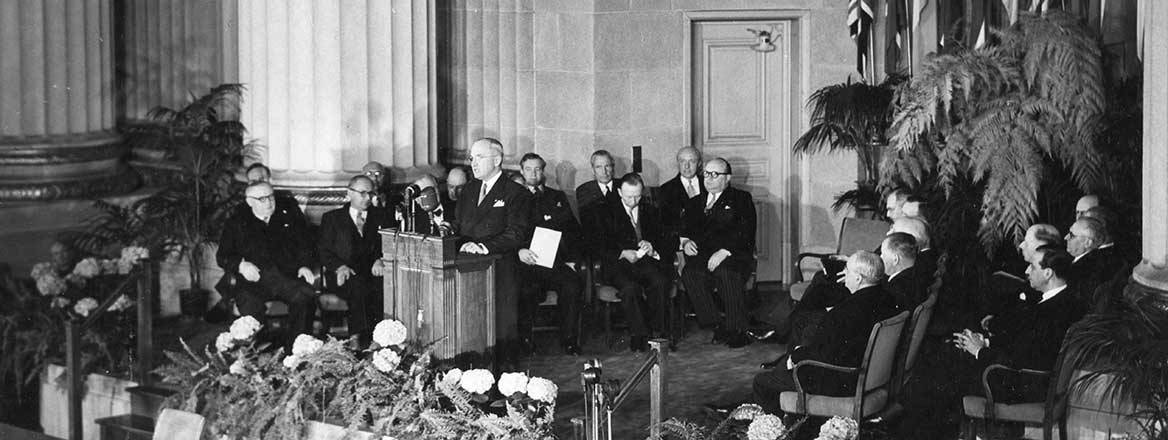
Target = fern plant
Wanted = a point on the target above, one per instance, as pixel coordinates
(1001, 117)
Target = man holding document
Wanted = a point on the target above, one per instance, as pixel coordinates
(544, 261)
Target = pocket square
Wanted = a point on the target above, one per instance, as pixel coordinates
(727, 207)
(498, 204)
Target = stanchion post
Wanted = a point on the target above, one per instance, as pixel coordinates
(657, 387)
(73, 369)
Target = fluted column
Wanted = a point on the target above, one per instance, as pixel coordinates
(173, 49)
(490, 75)
(335, 84)
(1153, 270)
(57, 137)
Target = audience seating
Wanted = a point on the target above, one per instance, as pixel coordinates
(873, 378)
(989, 412)
(910, 346)
(855, 234)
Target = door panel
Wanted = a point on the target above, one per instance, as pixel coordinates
(741, 110)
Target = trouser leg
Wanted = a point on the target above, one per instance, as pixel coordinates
(730, 287)
(696, 279)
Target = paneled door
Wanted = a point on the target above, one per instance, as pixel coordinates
(741, 109)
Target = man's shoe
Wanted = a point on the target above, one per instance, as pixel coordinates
(779, 361)
(720, 410)
(760, 334)
(738, 340)
(638, 343)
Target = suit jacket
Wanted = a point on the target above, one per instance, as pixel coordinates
(1034, 343)
(674, 200)
(588, 194)
(341, 245)
(593, 208)
(729, 224)
(619, 234)
(550, 209)
(909, 288)
(500, 222)
(283, 244)
(1093, 269)
(842, 339)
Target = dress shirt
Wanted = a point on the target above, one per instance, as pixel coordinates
(1051, 293)
(712, 199)
(488, 183)
(605, 188)
(358, 217)
(692, 186)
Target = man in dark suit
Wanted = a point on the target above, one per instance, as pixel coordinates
(455, 181)
(687, 184)
(905, 283)
(265, 253)
(841, 340)
(1093, 263)
(376, 172)
(631, 249)
(259, 172)
(718, 242)
(1011, 290)
(600, 189)
(492, 217)
(550, 210)
(350, 250)
(1035, 341)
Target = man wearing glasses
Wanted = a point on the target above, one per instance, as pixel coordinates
(718, 242)
(350, 250)
(268, 258)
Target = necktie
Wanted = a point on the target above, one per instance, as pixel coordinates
(483, 194)
(636, 223)
(360, 223)
(710, 202)
(690, 189)
(604, 190)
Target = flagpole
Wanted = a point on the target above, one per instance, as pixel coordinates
(910, 34)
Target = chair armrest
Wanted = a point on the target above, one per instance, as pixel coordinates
(985, 382)
(799, 262)
(801, 404)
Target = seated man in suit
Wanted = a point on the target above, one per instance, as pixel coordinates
(1034, 340)
(600, 188)
(718, 242)
(550, 210)
(1093, 263)
(259, 172)
(455, 180)
(1009, 289)
(266, 254)
(493, 217)
(631, 247)
(1084, 204)
(687, 184)
(894, 204)
(376, 172)
(905, 283)
(350, 248)
(840, 341)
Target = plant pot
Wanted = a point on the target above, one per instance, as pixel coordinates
(193, 302)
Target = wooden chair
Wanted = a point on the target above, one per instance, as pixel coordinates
(178, 425)
(873, 378)
(855, 234)
(988, 411)
(910, 345)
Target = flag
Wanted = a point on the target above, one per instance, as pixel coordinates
(918, 8)
(1011, 9)
(859, 26)
(981, 36)
(896, 38)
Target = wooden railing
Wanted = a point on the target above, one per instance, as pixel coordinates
(600, 403)
(142, 283)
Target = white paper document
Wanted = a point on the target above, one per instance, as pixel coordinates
(545, 242)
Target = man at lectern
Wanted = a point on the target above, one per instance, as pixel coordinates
(492, 217)
(350, 250)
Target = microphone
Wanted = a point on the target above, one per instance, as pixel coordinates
(411, 191)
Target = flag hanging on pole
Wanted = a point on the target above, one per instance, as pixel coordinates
(896, 38)
(918, 9)
(1011, 9)
(859, 27)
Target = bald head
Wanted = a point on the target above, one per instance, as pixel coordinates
(360, 192)
(261, 199)
(717, 172)
(914, 226)
(1036, 236)
(375, 171)
(454, 182)
(689, 162)
(1084, 204)
(864, 269)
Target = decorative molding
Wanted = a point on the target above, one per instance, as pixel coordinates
(61, 149)
(83, 188)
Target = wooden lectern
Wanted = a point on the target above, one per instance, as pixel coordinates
(439, 293)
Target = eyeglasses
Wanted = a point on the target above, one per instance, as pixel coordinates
(264, 199)
(713, 174)
(359, 192)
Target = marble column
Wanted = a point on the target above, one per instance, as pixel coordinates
(335, 84)
(489, 75)
(1153, 270)
(57, 124)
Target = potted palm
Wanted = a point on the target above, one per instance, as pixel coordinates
(206, 150)
(852, 116)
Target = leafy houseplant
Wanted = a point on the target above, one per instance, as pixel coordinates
(852, 116)
(207, 150)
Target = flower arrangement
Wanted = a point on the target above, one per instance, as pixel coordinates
(246, 389)
(751, 422)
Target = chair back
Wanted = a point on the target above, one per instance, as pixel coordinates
(916, 331)
(178, 425)
(880, 355)
(860, 234)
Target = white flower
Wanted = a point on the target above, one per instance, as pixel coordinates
(41, 269)
(84, 306)
(61, 302)
(389, 332)
(477, 381)
(747, 411)
(766, 427)
(511, 383)
(305, 344)
(244, 327)
(124, 267)
(108, 267)
(50, 284)
(237, 368)
(542, 390)
(132, 254)
(452, 377)
(292, 361)
(87, 268)
(122, 303)
(385, 360)
(839, 428)
(224, 342)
